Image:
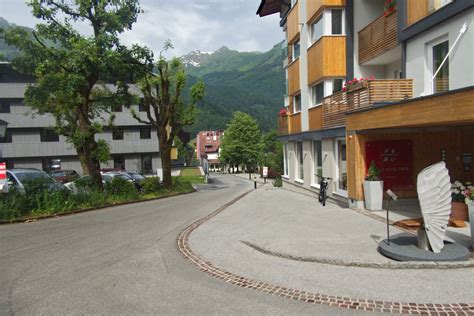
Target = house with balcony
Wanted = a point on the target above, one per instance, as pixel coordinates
(208, 147)
(388, 81)
(30, 141)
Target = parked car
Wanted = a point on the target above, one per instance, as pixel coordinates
(83, 182)
(64, 176)
(18, 177)
(137, 177)
(109, 176)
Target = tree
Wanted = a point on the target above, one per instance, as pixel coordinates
(241, 143)
(165, 108)
(71, 69)
(272, 153)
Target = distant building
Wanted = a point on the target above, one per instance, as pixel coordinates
(31, 142)
(208, 146)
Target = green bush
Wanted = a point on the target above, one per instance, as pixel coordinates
(278, 183)
(151, 185)
(180, 185)
(121, 189)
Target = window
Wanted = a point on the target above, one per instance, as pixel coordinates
(341, 166)
(336, 22)
(4, 107)
(147, 166)
(48, 135)
(293, 3)
(441, 81)
(117, 108)
(434, 5)
(145, 133)
(318, 160)
(297, 103)
(285, 159)
(141, 105)
(337, 85)
(299, 153)
(296, 50)
(119, 162)
(7, 138)
(117, 134)
(317, 30)
(317, 93)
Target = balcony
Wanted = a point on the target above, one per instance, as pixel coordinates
(337, 105)
(378, 37)
(327, 58)
(289, 124)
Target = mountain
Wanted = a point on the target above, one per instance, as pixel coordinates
(251, 82)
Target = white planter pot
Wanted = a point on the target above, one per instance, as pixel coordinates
(471, 221)
(373, 192)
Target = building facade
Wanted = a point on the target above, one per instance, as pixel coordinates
(208, 146)
(384, 81)
(30, 141)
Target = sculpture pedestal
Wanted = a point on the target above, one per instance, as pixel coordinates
(404, 248)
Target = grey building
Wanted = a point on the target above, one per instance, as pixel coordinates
(31, 142)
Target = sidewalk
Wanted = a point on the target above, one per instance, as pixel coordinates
(287, 239)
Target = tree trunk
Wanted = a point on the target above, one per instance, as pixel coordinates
(90, 165)
(165, 154)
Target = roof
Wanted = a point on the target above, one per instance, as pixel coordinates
(268, 7)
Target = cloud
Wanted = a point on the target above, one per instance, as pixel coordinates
(191, 25)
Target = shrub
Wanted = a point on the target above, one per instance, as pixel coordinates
(122, 189)
(151, 185)
(278, 183)
(180, 185)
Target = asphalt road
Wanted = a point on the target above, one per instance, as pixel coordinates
(124, 260)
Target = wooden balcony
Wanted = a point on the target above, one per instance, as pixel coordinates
(327, 58)
(337, 105)
(293, 23)
(289, 124)
(378, 37)
(314, 7)
(294, 77)
(315, 115)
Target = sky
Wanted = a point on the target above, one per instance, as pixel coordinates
(204, 25)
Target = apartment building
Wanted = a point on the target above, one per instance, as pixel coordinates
(389, 81)
(208, 146)
(31, 142)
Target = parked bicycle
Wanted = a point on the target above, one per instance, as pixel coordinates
(323, 186)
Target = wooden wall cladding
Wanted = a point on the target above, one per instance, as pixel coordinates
(314, 7)
(416, 10)
(327, 58)
(294, 77)
(294, 125)
(293, 24)
(315, 115)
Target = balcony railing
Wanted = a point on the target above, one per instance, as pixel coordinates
(378, 37)
(289, 124)
(370, 93)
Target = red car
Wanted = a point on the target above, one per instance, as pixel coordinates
(64, 176)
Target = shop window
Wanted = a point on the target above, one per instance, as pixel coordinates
(318, 160)
(285, 159)
(147, 166)
(7, 138)
(49, 135)
(119, 162)
(342, 166)
(299, 153)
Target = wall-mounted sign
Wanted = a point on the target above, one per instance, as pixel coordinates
(394, 158)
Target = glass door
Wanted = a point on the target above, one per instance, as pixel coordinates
(341, 185)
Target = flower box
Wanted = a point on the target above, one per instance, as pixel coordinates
(357, 86)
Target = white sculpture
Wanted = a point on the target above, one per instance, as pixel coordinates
(434, 193)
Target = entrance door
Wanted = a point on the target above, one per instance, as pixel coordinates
(341, 185)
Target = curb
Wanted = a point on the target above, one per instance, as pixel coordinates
(34, 219)
(182, 242)
(395, 265)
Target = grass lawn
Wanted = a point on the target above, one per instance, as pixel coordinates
(192, 175)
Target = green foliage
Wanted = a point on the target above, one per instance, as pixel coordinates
(151, 185)
(241, 143)
(373, 173)
(273, 148)
(121, 189)
(278, 183)
(164, 106)
(70, 69)
(182, 185)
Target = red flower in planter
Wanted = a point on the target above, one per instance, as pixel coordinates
(282, 112)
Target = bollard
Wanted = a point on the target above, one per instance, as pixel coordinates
(255, 184)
